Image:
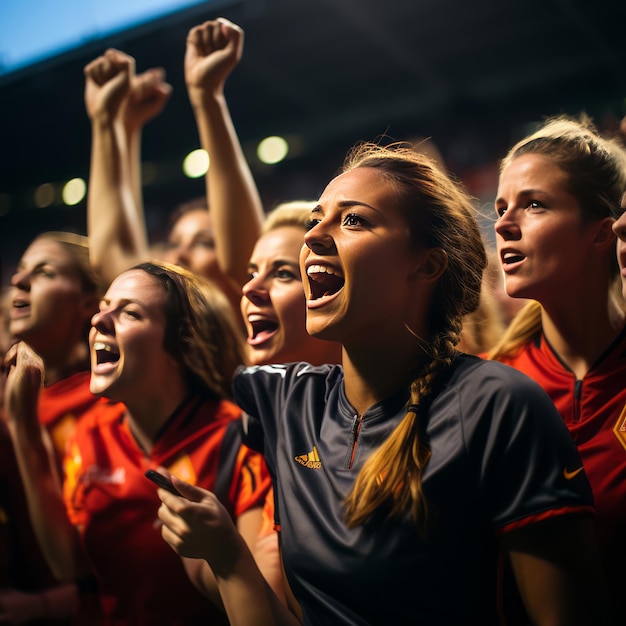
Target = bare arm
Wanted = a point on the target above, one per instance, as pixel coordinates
(53, 603)
(558, 573)
(198, 526)
(118, 104)
(56, 534)
(147, 96)
(213, 50)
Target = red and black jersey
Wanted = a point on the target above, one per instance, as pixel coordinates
(500, 458)
(594, 410)
(142, 580)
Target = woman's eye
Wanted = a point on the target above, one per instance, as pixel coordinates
(500, 210)
(352, 219)
(209, 244)
(130, 313)
(44, 271)
(311, 223)
(534, 204)
(285, 274)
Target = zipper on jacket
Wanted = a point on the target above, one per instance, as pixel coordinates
(356, 429)
(578, 389)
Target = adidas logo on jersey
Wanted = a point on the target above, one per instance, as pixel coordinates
(310, 460)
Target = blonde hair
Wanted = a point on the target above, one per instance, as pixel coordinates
(77, 246)
(484, 327)
(596, 176)
(200, 330)
(440, 215)
(295, 213)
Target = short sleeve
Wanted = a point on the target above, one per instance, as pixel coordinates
(530, 468)
(252, 481)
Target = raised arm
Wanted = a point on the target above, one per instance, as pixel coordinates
(197, 526)
(558, 573)
(213, 50)
(118, 104)
(42, 486)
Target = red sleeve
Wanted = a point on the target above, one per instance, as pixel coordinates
(251, 481)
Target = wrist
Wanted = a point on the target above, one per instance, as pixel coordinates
(230, 558)
(103, 121)
(200, 97)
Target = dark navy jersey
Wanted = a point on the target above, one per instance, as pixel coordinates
(501, 458)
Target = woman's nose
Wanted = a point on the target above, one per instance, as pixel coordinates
(101, 321)
(318, 239)
(21, 280)
(256, 288)
(507, 227)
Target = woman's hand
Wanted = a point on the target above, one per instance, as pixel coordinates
(24, 380)
(196, 525)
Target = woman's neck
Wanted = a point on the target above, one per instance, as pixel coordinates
(372, 375)
(147, 415)
(580, 334)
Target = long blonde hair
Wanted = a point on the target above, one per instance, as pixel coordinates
(440, 215)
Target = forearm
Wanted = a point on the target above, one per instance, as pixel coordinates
(133, 151)
(246, 596)
(55, 534)
(234, 201)
(115, 225)
(58, 602)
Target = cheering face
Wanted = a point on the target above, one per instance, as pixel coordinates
(128, 359)
(47, 306)
(619, 228)
(358, 261)
(541, 240)
(273, 305)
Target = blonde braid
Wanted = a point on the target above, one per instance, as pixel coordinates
(392, 476)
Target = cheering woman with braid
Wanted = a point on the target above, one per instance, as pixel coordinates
(400, 474)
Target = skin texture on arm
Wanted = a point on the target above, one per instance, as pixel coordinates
(118, 104)
(197, 526)
(54, 603)
(213, 50)
(56, 534)
(558, 573)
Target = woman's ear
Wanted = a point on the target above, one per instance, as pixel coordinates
(604, 236)
(431, 265)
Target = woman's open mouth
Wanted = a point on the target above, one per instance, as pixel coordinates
(324, 282)
(261, 329)
(107, 357)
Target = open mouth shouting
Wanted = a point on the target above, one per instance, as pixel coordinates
(261, 329)
(107, 357)
(325, 283)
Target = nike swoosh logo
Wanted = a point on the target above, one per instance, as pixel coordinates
(569, 475)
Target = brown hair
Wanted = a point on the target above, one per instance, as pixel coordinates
(200, 330)
(440, 215)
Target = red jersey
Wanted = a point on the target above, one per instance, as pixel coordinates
(114, 505)
(594, 410)
(62, 404)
